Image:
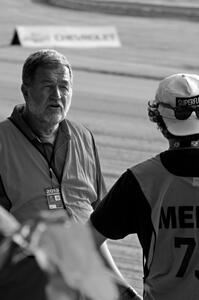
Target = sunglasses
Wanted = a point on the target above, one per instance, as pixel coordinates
(182, 112)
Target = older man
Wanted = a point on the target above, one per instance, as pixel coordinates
(47, 161)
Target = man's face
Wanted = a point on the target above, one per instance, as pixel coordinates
(48, 98)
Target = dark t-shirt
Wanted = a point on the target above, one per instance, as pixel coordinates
(125, 209)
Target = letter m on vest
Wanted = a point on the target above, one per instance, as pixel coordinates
(168, 217)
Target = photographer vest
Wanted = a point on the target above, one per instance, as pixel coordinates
(26, 176)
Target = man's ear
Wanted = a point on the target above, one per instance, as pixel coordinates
(24, 90)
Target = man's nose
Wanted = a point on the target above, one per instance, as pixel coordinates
(56, 92)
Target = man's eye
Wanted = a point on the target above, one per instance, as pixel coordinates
(64, 87)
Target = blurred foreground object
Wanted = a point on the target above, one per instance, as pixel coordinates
(65, 251)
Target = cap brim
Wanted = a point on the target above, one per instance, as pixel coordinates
(182, 127)
(179, 127)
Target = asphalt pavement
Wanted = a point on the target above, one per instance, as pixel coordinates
(181, 9)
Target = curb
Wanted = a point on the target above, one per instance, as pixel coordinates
(131, 8)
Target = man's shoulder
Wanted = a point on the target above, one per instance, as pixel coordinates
(149, 161)
(7, 130)
(78, 127)
(149, 167)
(4, 124)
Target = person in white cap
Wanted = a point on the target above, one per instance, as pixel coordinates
(158, 199)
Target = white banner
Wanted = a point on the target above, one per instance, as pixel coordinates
(66, 36)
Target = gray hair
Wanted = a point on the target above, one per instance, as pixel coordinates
(48, 58)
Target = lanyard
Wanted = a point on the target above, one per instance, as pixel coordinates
(49, 156)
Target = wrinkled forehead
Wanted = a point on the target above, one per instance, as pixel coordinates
(45, 59)
(50, 70)
(53, 74)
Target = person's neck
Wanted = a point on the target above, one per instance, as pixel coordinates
(184, 143)
(47, 137)
(45, 132)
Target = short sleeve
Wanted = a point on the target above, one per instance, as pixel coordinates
(116, 215)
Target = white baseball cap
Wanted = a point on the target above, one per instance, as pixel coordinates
(179, 91)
